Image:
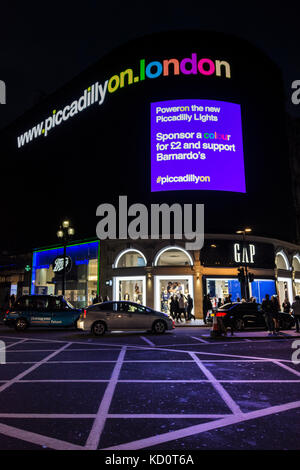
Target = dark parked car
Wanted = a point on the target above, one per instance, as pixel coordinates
(41, 310)
(249, 314)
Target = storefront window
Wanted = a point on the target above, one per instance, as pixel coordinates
(167, 287)
(297, 286)
(130, 259)
(281, 260)
(81, 277)
(222, 288)
(259, 289)
(285, 289)
(296, 263)
(173, 257)
(130, 288)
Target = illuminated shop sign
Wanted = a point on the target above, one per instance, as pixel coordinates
(97, 92)
(226, 253)
(244, 254)
(58, 264)
(197, 144)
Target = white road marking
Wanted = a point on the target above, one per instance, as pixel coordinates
(37, 439)
(99, 423)
(284, 366)
(46, 415)
(13, 344)
(145, 348)
(148, 341)
(166, 416)
(110, 416)
(204, 427)
(224, 420)
(200, 339)
(232, 405)
(27, 371)
(156, 381)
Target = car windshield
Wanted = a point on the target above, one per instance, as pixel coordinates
(69, 304)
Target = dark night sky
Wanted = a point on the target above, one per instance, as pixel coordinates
(41, 50)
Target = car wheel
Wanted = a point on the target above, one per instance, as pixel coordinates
(239, 324)
(159, 327)
(21, 324)
(99, 328)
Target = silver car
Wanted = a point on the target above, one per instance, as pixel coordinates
(108, 316)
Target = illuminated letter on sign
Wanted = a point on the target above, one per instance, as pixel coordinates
(247, 256)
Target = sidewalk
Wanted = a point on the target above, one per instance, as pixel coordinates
(247, 334)
(191, 323)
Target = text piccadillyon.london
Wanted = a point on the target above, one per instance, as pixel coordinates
(97, 92)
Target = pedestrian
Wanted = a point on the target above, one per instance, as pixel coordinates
(220, 303)
(12, 300)
(267, 308)
(189, 307)
(207, 305)
(296, 311)
(228, 299)
(238, 299)
(205, 308)
(276, 309)
(177, 309)
(181, 306)
(286, 305)
(173, 307)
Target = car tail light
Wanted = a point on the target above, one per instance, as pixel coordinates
(84, 313)
(220, 314)
(173, 323)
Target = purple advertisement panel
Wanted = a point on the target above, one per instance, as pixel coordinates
(197, 144)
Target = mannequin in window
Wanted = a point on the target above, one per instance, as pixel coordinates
(126, 296)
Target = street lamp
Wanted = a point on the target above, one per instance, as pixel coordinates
(245, 277)
(65, 232)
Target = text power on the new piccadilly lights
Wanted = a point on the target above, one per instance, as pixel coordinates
(197, 144)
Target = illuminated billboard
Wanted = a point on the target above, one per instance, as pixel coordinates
(197, 144)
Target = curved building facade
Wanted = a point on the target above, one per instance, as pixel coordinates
(184, 116)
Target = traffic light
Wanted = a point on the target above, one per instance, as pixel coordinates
(251, 277)
(241, 275)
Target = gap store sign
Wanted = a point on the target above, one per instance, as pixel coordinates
(197, 144)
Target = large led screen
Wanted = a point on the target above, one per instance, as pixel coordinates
(197, 144)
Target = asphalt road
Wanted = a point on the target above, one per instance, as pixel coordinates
(64, 389)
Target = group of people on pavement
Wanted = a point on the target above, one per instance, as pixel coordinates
(271, 310)
(181, 305)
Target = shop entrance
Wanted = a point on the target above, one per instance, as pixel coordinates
(221, 288)
(167, 286)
